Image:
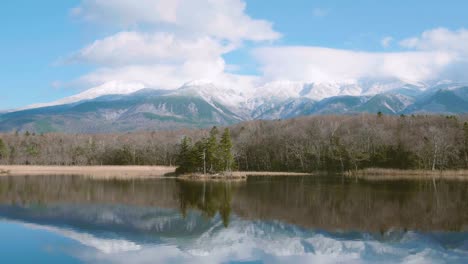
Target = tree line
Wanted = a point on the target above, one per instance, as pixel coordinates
(312, 143)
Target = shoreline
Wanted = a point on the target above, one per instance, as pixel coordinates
(98, 172)
(236, 175)
(232, 177)
(373, 174)
(128, 172)
(142, 172)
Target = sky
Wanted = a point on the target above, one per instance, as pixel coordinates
(52, 49)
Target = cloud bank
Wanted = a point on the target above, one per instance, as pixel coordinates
(436, 54)
(166, 43)
(224, 19)
(316, 64)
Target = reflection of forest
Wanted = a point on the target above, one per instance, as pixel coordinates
(43, 190)
(352, 206)
(308, 202)
(208, 197)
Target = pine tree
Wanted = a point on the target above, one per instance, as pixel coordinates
(184, 158)
(198, 156)
(226, 151)
(212, 151)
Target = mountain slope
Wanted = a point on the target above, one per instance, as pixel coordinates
(201, 104)
(144, 110)
(385, 103)
(450, 101)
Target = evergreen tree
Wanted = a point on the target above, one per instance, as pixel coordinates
(184, 158)
(198, 156)
(212, 151)
(206, 155)
(225, 146)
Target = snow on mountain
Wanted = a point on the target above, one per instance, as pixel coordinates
(281, 90)
(268, 241)
(282, 98)
(255, 101)
(212, 93)
(107, 246)
(114, 87)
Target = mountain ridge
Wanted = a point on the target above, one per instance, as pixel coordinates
(205, 104)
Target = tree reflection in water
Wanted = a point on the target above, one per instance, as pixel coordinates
(208, 197)
(313, 202)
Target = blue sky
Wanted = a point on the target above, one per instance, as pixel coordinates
(44, 56)
(358, 24)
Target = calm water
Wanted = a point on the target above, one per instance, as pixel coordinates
(264, 220)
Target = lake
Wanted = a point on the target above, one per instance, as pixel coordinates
(73, 219)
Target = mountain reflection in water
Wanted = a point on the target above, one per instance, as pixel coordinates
(327, 203)
(300, 215)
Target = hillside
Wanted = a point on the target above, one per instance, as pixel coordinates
(204, 105)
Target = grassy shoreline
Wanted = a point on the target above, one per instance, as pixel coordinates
(135, 172)
(126, 172)
(376, 174)
(237, 175)
(100, 172)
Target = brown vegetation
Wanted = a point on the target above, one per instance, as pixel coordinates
(394, 174)
(307, 144)
(101, 172)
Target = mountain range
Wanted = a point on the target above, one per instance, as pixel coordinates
(117, 107)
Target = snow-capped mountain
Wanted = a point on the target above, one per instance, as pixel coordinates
(118, 106)
(114, 87)
(250, 97)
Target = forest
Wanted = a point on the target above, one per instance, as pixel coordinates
(305, 144)
(208, 155)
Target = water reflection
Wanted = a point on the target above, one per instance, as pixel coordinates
(315, 218)
(208, 197)
(320, 202)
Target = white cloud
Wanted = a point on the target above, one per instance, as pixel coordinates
(160, 76)
(436, 54)
(386, 41)
(440, 39)
(154, 60)
(316, 64)
(225, 19)
(163, 76)
(176, 41)
(171, 42)
(149, 48)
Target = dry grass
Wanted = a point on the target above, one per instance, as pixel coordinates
(257, 173)
(101, 172)
(236, 175)
(268, 173)
(127, 172)
(394, 174)
(213, 177)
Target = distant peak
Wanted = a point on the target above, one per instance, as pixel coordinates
(108, 88)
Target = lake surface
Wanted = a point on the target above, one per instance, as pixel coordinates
(324, 219)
